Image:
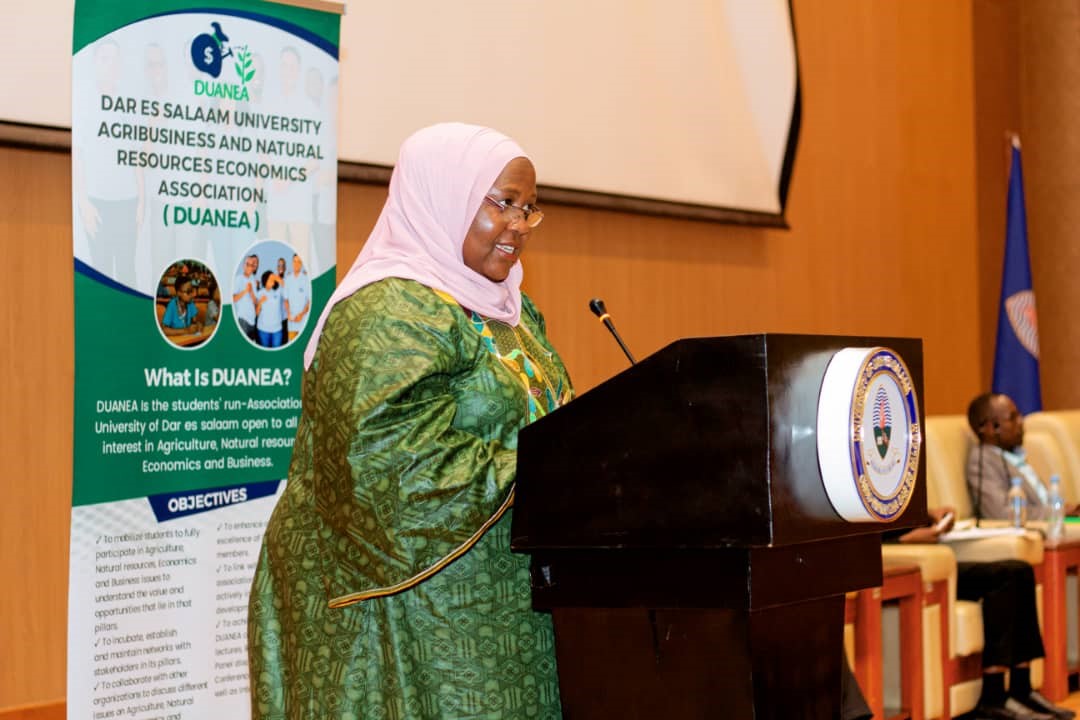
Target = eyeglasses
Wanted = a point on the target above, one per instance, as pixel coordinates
(530, 214)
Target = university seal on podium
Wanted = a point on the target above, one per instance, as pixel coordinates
(868, 433)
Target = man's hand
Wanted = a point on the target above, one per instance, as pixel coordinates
(942, 518)
(922, 536)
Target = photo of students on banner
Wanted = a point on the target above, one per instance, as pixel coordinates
(271, 295)
(187, 303)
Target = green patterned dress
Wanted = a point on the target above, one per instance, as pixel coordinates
(386, 587)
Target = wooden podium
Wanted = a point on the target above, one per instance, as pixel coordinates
(683, 539)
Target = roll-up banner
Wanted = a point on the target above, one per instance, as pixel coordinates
(204, 179)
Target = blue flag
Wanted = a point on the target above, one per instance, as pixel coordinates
(1016, 357)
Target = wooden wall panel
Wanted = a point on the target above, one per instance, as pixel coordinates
(997, 92)
(1049, 106)
(882, 241)
(1027, 71)
(44, 711)
(36, 382)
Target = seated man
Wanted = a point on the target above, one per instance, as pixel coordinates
(1011, 637)
(999, 457)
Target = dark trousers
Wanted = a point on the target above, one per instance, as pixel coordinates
(1010, 623)
(250, 330)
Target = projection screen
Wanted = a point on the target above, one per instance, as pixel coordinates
(685, 107)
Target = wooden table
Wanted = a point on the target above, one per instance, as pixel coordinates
(901, 584)
(1059, 561)
(192, 339)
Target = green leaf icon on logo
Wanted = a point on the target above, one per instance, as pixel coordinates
(244, 65)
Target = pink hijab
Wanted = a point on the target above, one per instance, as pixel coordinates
(441, 177)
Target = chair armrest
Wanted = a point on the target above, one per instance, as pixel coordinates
(936, 562)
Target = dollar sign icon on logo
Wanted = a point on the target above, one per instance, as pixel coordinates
(209, 49)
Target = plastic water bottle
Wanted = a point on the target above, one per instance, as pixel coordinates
(1055, 527)
(1017, 503)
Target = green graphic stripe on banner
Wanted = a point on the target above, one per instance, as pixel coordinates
(152, 418)
(96, 20)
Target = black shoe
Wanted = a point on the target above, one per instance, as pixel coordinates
(1011, 710)
(1038, 702)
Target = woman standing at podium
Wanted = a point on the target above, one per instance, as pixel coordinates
(385, 586)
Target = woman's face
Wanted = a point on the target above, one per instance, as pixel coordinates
(493, 244)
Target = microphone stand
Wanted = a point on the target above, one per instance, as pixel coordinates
(978, 499)
(1005, 463)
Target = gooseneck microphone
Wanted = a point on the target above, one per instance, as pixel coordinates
(978, 499)
(598, 309)
(1004, 465)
